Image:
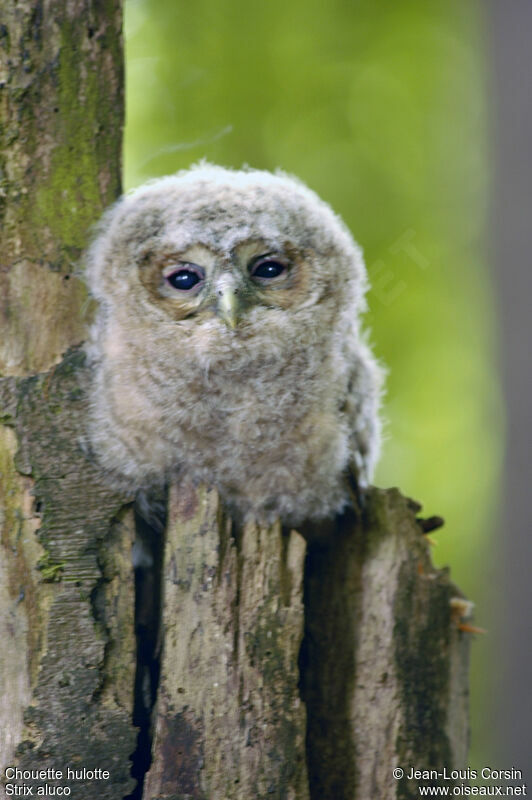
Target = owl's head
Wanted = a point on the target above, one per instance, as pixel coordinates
(216, 244)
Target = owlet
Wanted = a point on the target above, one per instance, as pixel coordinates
(227, 346)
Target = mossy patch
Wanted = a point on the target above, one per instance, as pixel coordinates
(51, 571)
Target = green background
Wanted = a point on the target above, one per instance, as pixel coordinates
(381, 108)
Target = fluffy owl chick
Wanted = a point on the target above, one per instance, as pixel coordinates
(227, 347)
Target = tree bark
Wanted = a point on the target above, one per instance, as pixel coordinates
(385, 666)
(292, 665)
(61, 109)
(353, 647)
(68, 667)
(66, 588)
(230, 721)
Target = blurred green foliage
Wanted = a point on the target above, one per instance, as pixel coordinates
(379, 107)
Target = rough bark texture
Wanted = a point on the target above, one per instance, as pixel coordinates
(61, 111)
(68, 660)
(66, 601)
(230, 722)
(384, 665)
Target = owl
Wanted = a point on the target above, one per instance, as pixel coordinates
(227, 346)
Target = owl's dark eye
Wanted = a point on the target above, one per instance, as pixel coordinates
(188, 277)
(267, 268)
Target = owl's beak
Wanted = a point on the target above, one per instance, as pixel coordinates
(228, 306)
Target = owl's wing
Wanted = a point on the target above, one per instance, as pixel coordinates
(361, 409)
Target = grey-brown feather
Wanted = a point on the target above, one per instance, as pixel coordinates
(272, 412)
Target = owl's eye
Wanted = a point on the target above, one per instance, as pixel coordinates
(266, 268)
(186, 278)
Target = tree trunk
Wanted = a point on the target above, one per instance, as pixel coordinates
(353, 647)
(62, 114)
(230, 721)
(292, 665)
(66, 587)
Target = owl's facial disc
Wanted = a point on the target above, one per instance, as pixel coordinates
(202, 281)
